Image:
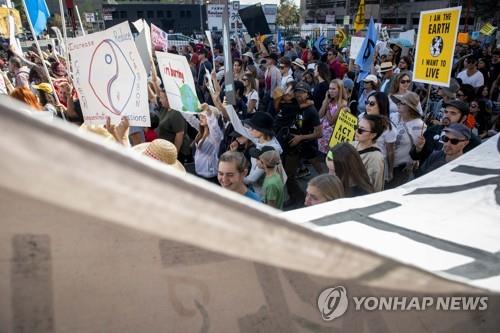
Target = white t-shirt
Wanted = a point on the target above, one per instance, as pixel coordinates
(253, 95)
(476, 80)
(403, 141)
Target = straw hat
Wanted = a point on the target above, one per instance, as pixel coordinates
(299, 63)
(386, 66)
(161, 150)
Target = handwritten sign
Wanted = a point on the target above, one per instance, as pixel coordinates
(437, 36)
(109, 77)
(344, 128)
(178, 82)
(159, 38)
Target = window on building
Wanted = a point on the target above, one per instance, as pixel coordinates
(169, 13)
(140, 14)
(115, 15)
(123, 14)
(159, 13)
(188, 13)
(151, 14)
(183, 13)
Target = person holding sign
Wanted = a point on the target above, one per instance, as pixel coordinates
(409, 125)
(335, 99)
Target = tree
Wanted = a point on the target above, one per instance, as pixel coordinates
(288, 14)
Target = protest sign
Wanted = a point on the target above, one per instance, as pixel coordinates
(487, 29)
(356, 43)
(463, 38)
(109, 76)
(159, 38)
(344, 128)
(228, 61)
(437, 36)
(178, 82)
(144, 46)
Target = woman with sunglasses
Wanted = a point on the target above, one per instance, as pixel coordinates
(482, 118)
(410, 126)
(344, 161)
(335, 99)
(250, 93)
(378, 105)
(369, 129)
(402, 84)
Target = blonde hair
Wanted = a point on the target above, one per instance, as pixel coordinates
(271, 159)
(330, 186)
(342, 96)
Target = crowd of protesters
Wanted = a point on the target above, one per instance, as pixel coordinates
(286, 104)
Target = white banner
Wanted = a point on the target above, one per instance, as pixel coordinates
(178, 82)
(109, 76)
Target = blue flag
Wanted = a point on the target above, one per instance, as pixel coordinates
(38, 13)
(281, 43)
(321, 44)
(365, 56)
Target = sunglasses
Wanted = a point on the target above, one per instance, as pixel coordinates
(361, 130)
(370, 103)
(282, 67)
(460, 95)
(444, 138)
(405, 81)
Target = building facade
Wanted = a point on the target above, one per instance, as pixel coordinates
(397, 13)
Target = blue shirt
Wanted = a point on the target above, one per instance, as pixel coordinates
(252, 195)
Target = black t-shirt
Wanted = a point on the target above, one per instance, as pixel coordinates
(286, 116)
(307, 119)
(319, 94)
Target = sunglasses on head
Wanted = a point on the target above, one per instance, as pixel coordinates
(361, 130)
(370, 103)
(453, 141)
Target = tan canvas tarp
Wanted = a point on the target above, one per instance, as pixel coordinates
(96, 239)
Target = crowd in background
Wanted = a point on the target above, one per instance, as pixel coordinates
(276, 132)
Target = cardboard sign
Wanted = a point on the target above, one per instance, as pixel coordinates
(344, 128)
(159, 39)
(178, 82)
(463, 38)
(356, 43)
(254, 20)
(109, 76)
(436, 40)
(144, 46)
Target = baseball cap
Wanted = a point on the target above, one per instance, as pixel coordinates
(459, 130)
(302, 86)
(255, 152)
(458, 104)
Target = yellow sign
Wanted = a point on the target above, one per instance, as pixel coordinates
(487, 29)
(4, 21)
(436, 39)
(344, 128)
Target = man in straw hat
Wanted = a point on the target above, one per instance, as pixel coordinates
(299, 68)
(161, 150)
(386, 72)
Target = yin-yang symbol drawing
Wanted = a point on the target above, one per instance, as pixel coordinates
(111, 76)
